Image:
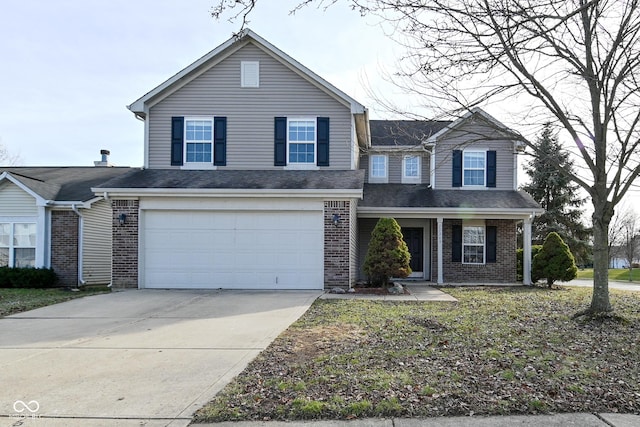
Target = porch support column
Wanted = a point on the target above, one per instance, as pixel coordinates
(526, 252)
(440, 272)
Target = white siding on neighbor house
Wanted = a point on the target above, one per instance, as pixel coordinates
(250, 112)
(14, 201)
(96, 243)
(476, 136)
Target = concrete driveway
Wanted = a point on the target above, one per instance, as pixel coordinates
(144, 357)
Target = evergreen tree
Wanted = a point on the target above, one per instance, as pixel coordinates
(388, 255)
(558, 195)
(554, 261)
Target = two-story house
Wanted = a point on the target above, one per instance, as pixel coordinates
(259, 174)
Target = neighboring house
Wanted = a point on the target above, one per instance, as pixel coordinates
(49, 217)
(260, 174)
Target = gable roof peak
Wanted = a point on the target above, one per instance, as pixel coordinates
(236, 41)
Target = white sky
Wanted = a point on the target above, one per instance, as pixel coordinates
(69, 68)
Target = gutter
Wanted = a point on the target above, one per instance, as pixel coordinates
(81, 280)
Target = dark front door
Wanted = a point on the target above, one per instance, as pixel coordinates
(413, 238)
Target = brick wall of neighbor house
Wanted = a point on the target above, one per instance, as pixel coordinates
(64, 246)
(336, 244)
(502, 271)
(125, 244)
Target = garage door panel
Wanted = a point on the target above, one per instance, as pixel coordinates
(244, 250)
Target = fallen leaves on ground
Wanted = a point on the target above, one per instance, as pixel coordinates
(496, 351)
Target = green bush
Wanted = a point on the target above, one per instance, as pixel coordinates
(27, 277)
(554, 261)
(520, 257)
(388, 255)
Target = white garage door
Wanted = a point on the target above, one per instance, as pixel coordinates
(233, 250)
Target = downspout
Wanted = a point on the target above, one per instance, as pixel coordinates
(81, 280)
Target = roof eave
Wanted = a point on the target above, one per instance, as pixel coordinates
(449, 212)
(346, 193)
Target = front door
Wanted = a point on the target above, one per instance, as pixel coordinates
(414, 240)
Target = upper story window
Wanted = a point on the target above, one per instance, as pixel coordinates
(473, 168)
(250, 74)
(378, 168)
(198, 137)
(301, 137)
(301, 142)
(17, 245)
(473, 244)
(411, 169)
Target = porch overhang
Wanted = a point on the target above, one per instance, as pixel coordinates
(449, 213)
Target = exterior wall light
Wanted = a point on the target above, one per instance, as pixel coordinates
(336, 219)
(122, 218)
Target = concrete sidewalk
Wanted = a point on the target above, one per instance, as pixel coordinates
(559, 420)
(140, 357)
(418, 291)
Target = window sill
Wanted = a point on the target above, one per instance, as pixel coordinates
(412, 180)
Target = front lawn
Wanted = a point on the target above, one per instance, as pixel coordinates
(496, 351)
(615, 274)
(14, 301)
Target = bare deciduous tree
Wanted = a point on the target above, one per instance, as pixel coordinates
(575, 62)
(6, 158)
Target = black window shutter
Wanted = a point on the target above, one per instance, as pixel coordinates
(456, 244)
(491, 168)
(457, 168)
(177, 138)
(280, 141)
(220, 141)
(323, 141)
(492, 243)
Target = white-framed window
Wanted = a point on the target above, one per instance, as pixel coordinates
(301, 141)
(473, 244)
(411, 169)
(249, 74)
(378, 167)
(17, 244)
(474, 168)
(198, 140)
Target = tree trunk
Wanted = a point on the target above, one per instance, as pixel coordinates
(600, 299)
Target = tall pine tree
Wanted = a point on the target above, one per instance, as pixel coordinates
(559, 197)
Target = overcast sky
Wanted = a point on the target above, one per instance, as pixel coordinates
(69, 68)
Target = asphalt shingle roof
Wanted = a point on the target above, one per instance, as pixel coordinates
(72, 184)
(239, 179)
(421, 196)
(403, 132)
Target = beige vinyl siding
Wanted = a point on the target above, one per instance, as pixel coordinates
(250, 112)
(96, 243)
(395, 167)
(14, 201)
(475, 136)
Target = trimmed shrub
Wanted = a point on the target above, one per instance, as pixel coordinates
(554, 261)
(388, 255)
(520, 260)
(27, 277)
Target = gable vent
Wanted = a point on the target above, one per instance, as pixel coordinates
(250, 73)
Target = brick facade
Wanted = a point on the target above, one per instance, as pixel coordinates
(125, 244)
(64, 246)
(337, 244)
(502, 271)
